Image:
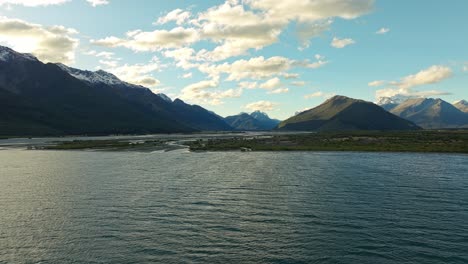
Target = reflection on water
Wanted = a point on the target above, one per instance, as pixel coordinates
(114, 207)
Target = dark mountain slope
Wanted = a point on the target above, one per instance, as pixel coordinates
(343, 113)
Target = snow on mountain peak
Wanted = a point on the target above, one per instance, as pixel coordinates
(7, 54)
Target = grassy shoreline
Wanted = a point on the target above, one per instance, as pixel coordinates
(444, 141)
(419, 141)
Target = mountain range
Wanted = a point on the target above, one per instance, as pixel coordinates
(343, 113)
(250, 122)
(53, 99)
(430, 113)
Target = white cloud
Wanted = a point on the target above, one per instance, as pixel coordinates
(298, 83)
(313, 10)
(153, 40)
(377, 83)
(237, 27)
(404, 87)
(95, 3)
(248, 85)
(465, 68)
(319, 94)
(188, 75)
(307, 31)
(254, 68)
(200, 92)
(49, 44)
(33, 3)
(271, 84)
(382, 31)
(290, 75)
(257, 68)
(263, 106)
(341, 43)
(139, 74)
(279, 91)
(431, 75)
(178, 15)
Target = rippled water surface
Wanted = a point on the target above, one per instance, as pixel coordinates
(232, 207)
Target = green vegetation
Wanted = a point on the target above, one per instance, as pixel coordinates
(408, 141)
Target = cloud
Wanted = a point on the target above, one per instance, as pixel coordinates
(248, 85)
(341, 43)
(254, 68)
(152, 40)
(465, 68)
(318, 94)
(95, 3)
(309, 30)
(48, 43)
(33, 3)
(377, 83)
(263, 106)
(290, 75)
(257, 68)
(382, 31)
(271, 84)
(139, 74)
(279, 91)
(200, 92)
(298, 83)
(187, 75)
(431, 75)
(237, 27)
(404, 87)
(178, 15)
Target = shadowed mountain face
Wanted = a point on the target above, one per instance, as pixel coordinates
(431, 113)
(251, 122)
(343, 113)
(462, 106)
(52, 99)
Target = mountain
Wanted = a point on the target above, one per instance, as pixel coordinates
(431, 113)
(343, 113)
(250, 122)
(462, 105)
(53, 99)
(198, 117)
(388, 103)
(192, 115)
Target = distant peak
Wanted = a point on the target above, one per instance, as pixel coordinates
(461, 102)
(7, 54)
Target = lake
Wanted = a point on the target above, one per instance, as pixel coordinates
(232, 207)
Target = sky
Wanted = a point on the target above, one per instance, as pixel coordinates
(235, 56)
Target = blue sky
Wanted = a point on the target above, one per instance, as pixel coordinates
(233, 56)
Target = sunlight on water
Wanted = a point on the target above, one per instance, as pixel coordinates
(129, 207)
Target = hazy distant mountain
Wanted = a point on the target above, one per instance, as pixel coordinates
(462, 105)
(343, 113)
(254, 121)
(53, 99)
(431, 113)
(388, 103)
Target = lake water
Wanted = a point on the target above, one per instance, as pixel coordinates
(232, 207)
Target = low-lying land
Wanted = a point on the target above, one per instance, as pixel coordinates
(450, 141)
(111, 145)
(414, 141)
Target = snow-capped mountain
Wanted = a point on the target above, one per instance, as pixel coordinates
(462, 105)
(102, 77)
(7, 54)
